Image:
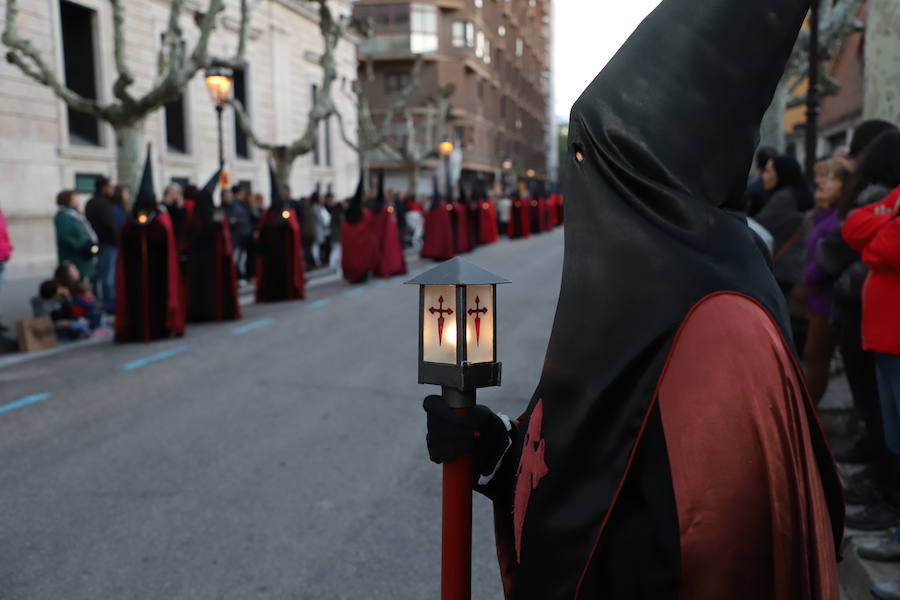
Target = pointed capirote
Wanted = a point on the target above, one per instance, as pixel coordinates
(146, 201)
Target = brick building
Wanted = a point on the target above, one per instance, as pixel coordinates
(498, 55)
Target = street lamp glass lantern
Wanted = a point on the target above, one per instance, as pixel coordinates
(458, 325)
(507, 164)
(218, 82)
(446, 147)
(530, 172)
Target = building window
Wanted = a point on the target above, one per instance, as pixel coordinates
(81, 73)
(459, 133)
(503, 107)
(487, 52)
(463, 34)
(84, 182)
(316, 157)
(501, 31)
(480, 89)
(395, 82)
(479, 44)
(424, 33)
(520, 46)
(176, 132)
(241, 144)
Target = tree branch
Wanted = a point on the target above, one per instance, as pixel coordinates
(247, 126)
(21, 49)
(125, 77)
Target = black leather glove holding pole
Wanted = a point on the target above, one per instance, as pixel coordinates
(479, 431)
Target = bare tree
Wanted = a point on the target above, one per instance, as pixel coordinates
(127, 112)
(419, 147)
(283, 155)
(838, 22)
(882, 76)
(372, 136)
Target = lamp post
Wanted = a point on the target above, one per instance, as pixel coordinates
(218, 82)
(458, 351)
(812, 97)
(507, 166)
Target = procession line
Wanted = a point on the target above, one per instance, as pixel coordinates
(251, 326)
(24, 401)
(143, 362)
(319, 304)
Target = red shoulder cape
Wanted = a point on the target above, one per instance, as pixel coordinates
(359, 248)
(390, 252)
(437, 242)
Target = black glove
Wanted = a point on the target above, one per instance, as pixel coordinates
(451, 434)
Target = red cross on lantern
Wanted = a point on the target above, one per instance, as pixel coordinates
(440, 322)
(478, 311)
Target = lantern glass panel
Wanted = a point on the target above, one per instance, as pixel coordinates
(439, 324)
(480, 323)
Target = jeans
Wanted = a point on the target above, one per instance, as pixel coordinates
(106, 276)
(887, 368)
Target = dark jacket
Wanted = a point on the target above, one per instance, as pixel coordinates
(784, 220)
(100, 214)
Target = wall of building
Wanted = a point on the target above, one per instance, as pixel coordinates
(38, 159)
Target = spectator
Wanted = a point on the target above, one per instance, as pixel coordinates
(6, 249)
(84, 305)
(256, 209)
(757, 194)
(874, 231)
(173, 199)
(75, 239)
(53, 301)
(238, 213)
(308, 228)
(878, 173)
(783, 217)
(337, 217)
(831, 175)
(120, 199)
(865, 134)
(323, 228)
(101, 214)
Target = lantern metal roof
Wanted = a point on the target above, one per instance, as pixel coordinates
(457, 271)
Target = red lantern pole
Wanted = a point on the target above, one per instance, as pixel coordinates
(456, 542)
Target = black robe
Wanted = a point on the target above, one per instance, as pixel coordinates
(210, 273)
(660, 139)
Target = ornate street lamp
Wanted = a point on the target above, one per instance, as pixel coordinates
(458, 351)
(812, 96)
(218, 82)
(529, 173)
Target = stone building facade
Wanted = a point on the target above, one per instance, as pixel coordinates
(44, 148)
(498, 55)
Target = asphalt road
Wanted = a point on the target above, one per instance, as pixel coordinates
(278, 457)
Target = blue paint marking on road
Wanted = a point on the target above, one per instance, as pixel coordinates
(251, 326)
(24, 401)
(381, 283)
(143, 362)
(354, 292)
(318, 304)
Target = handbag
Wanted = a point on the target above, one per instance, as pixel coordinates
(36, 334)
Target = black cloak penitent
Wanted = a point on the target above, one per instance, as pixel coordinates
(670, 449)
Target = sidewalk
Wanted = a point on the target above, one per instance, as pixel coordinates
(15, 296)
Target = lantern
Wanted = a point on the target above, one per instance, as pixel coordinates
(458, 326)
(218, 82)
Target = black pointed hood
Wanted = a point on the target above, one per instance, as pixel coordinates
(205, 206)
(276, 200)
(355, 203)
(662, 137)
(146, 201)
(435, 194)
(380, 199)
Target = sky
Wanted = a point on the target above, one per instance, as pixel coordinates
(587, 34)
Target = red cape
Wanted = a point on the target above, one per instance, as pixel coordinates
(560, 212)
(297, 278)
(390, 259)
(518, 225)
(359, 247)
(438, 241)
(551, 212)
(175, 307)
(487, 233)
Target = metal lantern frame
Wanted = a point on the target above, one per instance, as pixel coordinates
(462, 375)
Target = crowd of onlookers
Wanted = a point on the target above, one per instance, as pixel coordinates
(835, 248)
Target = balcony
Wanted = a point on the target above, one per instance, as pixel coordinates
(404, 43)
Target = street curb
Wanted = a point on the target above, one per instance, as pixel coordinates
(246, 295)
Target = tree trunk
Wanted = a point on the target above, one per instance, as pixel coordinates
(771, 130)
(882, 59)
(412, 186)
(130, 155)
(363, 165)
(282, 166)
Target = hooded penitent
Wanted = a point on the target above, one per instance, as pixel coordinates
(210, 274)
(149, 303)
(670, 449)
(437, 241)
(518, 225)
(359, 245)
(389, 259)
(279, 263)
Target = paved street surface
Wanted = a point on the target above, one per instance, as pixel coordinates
(278, 457)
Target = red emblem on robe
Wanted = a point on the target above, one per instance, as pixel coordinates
(532, 469)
